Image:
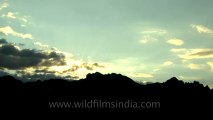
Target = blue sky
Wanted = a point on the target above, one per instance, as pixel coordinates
(147, 40)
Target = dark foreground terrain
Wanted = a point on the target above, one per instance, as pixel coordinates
(111, 93)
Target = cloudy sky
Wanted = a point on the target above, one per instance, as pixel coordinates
(147, 40)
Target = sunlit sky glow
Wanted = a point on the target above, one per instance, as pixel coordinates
(147, 40)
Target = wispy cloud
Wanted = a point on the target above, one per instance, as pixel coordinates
(154, 31)
(9, 31)
(188, 54)
(202, 29)
(41, 45)
(83, 65)
(151, 35)
(176, 42)
(3, 4)
(167, 63)
(148, 39)
(211, 65)
(9, 15)
(15, 15)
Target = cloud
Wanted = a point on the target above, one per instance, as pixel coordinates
(13, 57)
(154, 31)
(9, 15)
(3, 41)
(156, 70)
(204, 52)
(148, 39)
(24, 19)
(211, 65)
(202, 29)
(3, 4)
(9, 31)
(141, 75)
(188, 54)
(91, 66)
(16, 16)
(43, 62)
(176, 42)
(30, 64)
(195, 66)
(40, 75)
(163, 65)
(45, 70)
(41, 45)
(151, 35)
(84, 65)
(167, 63)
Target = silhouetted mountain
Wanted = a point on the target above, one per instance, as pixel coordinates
(172, 95)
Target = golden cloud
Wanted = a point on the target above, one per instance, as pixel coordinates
(4, 4)
(9, 15)
(154, 31)
(176, 42)
(9, 31)
(41, 45)
(202, 29)
(15, 15)
(211, 65)
(167, 63)
(188, 54)
(195, 66)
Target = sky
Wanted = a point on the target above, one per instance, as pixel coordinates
(146, 40)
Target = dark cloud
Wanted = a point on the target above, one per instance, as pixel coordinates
(72, 69)
(98, 65)
(42, 74)
(3, 41)
(16, 62)
(85, 65)
(9, 50)
(39, 61)
(45, 71)
(15, 58)
(91, 66)
(21, 44)
(43, 77)
(203, 53)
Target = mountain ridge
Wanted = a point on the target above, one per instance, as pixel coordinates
(173, 94)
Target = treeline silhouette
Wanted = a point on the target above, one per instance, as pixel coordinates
(172, 95)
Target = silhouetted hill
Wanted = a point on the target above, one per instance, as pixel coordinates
(172, 95)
